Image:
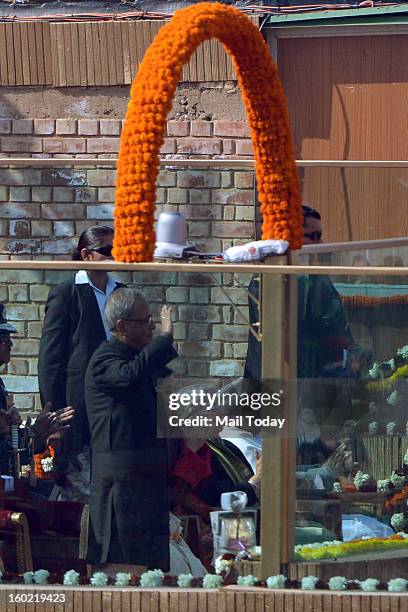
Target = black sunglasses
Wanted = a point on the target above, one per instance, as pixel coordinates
(106, 250)
(315, 236)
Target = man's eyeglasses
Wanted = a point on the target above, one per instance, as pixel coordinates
(315, 236)
(144, 321)
(106, 250)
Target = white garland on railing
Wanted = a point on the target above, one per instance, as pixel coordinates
(154, 579)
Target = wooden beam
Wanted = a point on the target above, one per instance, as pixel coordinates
(273, 523)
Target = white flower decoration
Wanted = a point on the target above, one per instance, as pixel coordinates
(403, 352)
(71, 578)
(337, 583)
(391, 363)
(397, 585)
(308, 583)
(276, 582)
(99, 579)
(375, 371)
(152, 578)
(184, 581)
(398, 521)
(370, 584)
(361, 478)
(383, 485)
(41, 576)
(122, 579)
(223, 565)
(28, 577)
(373, 428)
(47, 464)
(212, 581)
(393, 398)
(249, 580)
(391, 428)
(337, 487)
(397, 480)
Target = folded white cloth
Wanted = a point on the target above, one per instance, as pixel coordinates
(256, 251)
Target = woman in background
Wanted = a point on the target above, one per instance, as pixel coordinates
(73, 328)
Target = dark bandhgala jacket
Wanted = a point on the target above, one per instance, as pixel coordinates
(129, 507)
(72, 331)
(321, 321)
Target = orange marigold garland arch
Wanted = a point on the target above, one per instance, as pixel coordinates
(152, 93)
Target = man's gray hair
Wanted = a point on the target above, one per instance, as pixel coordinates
(120, 304)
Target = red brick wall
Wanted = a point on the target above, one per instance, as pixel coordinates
(44, 209)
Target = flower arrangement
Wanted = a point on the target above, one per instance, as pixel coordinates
(28, 577)
(391, 428)
(361, 479)
(398, 521)
(71, 578)
(224, 563)
(184, 581)
(212, 581)
(370, 584)
(373, 428)
(151, 99)
(123, 579)
(276, 582)
(308, 583)
(387, 383)
(249, 580)
(337, 583)
(336, 549)
(44, 463)
(392, 400)
(397, 585)
(152, 578)
(397, 479)
(41, 576)
(383, 485)
(403, 352)
(99, 579)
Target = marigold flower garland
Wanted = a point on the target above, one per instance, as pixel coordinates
(151, 99)
(373, 301)
(336, 549)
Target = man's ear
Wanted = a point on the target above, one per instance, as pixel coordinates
(121, 327)
(84, 254)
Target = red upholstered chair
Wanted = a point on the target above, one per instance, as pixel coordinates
(15, 532)
(52, 529)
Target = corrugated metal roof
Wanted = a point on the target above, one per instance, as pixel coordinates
(381, 14)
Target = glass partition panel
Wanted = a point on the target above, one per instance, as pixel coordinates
(352, 442)
(50, 327)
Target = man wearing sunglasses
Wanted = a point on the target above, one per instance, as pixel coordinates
(312, 226)
(322, 325)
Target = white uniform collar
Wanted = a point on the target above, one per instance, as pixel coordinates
(82, 278)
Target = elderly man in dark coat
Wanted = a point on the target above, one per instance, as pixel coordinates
(129, 508)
